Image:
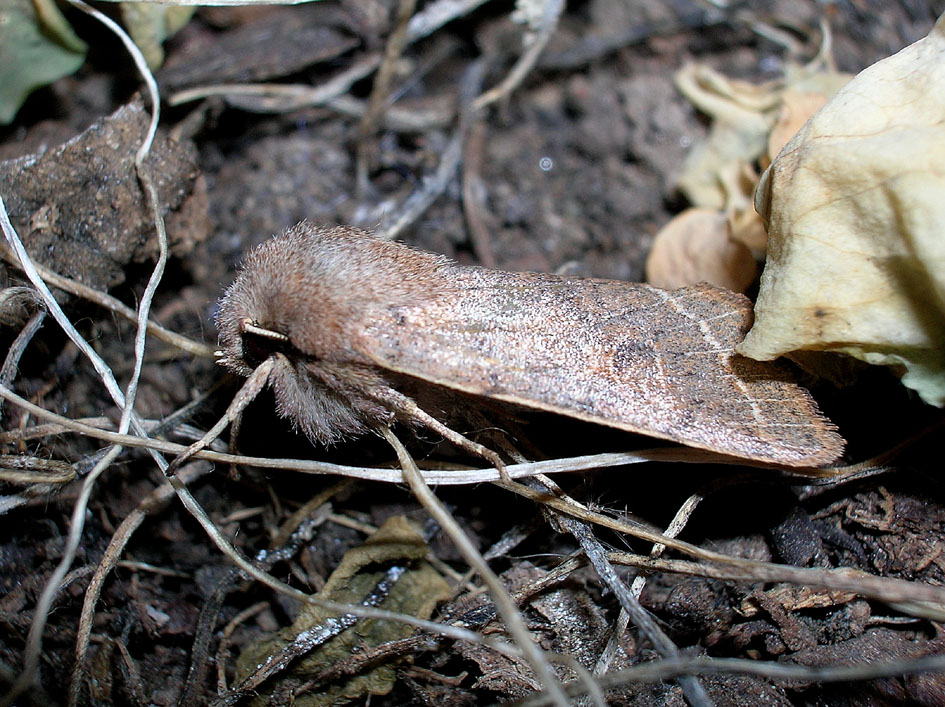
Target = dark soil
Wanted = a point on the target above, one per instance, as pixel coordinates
(577, 169)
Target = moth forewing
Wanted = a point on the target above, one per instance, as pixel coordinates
(619, 354)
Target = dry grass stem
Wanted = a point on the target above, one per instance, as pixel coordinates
(549, 21)
(116, 546)
(106, 301)
(284, 97)
(694, 691)
(34, 639)
(19, 469)
(667, 669)
(873, 587)
(673, 530)
(503, 602)
(224, 647)
(377, 102)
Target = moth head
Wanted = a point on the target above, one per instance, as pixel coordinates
(309, 292)
(260, 313)
(246, 341)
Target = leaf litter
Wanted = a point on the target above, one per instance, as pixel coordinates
(573, 182)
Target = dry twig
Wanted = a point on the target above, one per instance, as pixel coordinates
(500, 596)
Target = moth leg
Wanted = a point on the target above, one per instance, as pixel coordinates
(235, 426)
(251, 388)
(405, 406)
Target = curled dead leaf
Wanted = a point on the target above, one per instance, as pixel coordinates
(854, 208)
(696, 246)
(750, 123)
(738, 180)
(416, 592)
(741, 119)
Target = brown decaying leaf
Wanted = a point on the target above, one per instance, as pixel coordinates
(348, 318)
(696, 246)
(416, 593)
(284, 41)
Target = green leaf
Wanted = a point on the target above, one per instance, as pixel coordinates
(149, 24)
(37, 46)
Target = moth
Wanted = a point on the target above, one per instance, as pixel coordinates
(360, 330)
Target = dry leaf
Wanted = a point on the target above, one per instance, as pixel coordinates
(696, 247)
(416, 593)
(854, 206)
(806, 93)
(741, 119)
(149, 24)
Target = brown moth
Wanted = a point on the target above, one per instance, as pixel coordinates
(353, 321)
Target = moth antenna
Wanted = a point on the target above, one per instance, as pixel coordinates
(248, 326)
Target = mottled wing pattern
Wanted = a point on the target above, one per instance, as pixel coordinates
(626, 355)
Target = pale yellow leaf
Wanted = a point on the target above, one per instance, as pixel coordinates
(855, 208)
(741, 118)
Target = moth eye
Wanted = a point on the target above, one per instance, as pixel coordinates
(260, 343)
